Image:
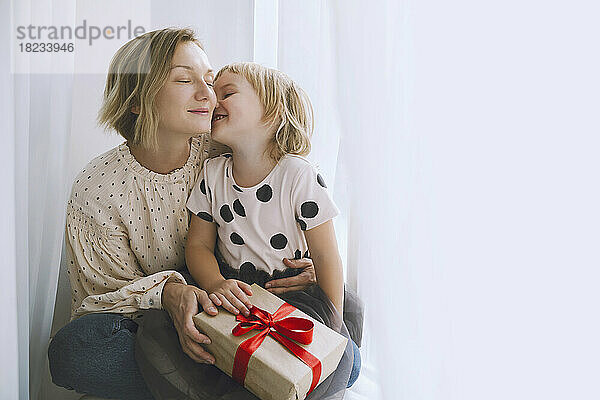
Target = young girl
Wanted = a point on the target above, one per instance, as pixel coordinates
(263, 202)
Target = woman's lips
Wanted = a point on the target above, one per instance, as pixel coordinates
(199, 111)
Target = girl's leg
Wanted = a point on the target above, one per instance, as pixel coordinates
(95, 354)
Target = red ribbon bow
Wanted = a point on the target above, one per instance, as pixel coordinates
(279, 328)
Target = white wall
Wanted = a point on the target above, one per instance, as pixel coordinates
(504, 103)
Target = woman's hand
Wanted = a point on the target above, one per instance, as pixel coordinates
(232, 295)
(301, 281)
(181, 302)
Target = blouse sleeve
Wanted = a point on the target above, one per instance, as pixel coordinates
(311, 201)
(199, 202)
(104, 273)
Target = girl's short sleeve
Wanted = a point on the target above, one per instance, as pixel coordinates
(311, 200)
(200, 202)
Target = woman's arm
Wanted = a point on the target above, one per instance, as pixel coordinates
(322, 245)
(103, 270)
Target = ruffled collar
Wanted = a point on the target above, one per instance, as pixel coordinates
(192, 162)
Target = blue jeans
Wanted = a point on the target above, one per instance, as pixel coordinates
(95, 354)
(355, 366)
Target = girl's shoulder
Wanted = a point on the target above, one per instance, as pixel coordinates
(215, 165)
(296, 165)
(295, 161)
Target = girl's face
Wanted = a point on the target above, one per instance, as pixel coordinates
(237, 120)
(186, 101)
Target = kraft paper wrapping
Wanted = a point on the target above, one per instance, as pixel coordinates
(274, 373)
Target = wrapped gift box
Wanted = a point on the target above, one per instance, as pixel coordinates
(273, 372)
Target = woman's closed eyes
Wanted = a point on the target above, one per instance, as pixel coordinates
(208, 83)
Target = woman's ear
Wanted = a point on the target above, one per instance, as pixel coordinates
(135, 110)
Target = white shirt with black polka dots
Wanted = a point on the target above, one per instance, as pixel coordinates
(260, 225)
(125, 230)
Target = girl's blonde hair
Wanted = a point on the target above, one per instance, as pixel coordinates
(286, 106)
(137, 72)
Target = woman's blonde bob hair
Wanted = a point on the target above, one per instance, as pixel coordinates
(286, 106)
(137, 72)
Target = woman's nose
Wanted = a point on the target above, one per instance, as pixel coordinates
(205, 92)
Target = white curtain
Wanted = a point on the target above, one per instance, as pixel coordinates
(9, 335)
(467, 172)
(359, 144)
(38, 125)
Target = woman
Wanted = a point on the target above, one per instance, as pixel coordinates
(127, 223)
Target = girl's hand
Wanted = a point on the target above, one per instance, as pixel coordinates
(232, 294)
(301, 281)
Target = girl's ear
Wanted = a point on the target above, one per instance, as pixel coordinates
(135, 110)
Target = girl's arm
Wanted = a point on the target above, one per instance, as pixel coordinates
(323, 248)
(199, 253)
(203, 266)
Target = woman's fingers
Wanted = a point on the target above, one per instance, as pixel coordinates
(301, 263)
(197, 353)
(282, 290)
(191, 342)
(190, 337)
(282, 283)
(301, 279)
(194, 334)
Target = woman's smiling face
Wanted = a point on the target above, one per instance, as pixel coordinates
(186, 101)
(238, 116)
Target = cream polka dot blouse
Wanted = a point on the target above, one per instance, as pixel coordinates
(126, 229)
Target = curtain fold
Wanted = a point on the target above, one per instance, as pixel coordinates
(377, 162)
(327, 48)
(49, 134)
(41, 129)
(11, 343)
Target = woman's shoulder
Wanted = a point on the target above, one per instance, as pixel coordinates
(106, 167)
(101, 161)
(99, 188)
